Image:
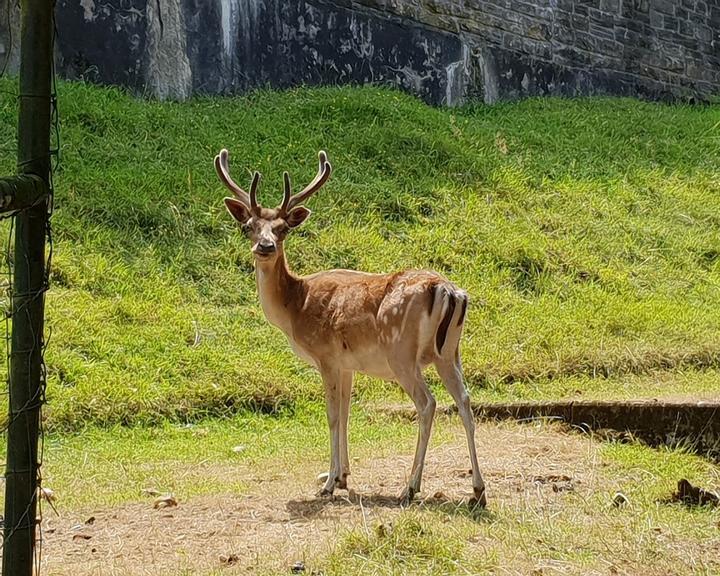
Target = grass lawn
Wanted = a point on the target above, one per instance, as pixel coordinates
(586, 231)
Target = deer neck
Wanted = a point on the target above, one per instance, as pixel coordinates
(278, 289)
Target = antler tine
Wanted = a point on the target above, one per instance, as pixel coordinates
(254, 207)
(324, 171)
(286, 193)
(223, 171)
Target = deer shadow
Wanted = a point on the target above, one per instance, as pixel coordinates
(309, 508)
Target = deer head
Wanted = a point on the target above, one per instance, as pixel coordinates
(267, 227)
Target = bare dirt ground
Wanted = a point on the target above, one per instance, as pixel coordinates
(279, 521)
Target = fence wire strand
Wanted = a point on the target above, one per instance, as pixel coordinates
(37, 401)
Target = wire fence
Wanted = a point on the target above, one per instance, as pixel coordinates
(11, 311)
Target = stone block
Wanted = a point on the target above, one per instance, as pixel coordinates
(612, 6)
(564, 6)
(563, 32)
(664, 6)
(704, 33)
(632, 24)
(686, 28)
(532, 9)
(631, 38)
(446, 7)
(670, 23)
(657, 19)
(602, 32)
(698, 70)
(527, 46)
(481, 29)
(580, 22)
(634, 8)
(664, 62)
(581, 9)
(601, 18)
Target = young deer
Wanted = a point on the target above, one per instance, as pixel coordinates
(390, 326)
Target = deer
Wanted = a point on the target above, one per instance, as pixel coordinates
(389, 326)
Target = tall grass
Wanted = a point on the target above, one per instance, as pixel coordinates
(586, 231)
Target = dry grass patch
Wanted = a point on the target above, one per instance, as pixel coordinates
(550, 512)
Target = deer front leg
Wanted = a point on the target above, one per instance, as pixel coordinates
(346, 382)
(333, 394)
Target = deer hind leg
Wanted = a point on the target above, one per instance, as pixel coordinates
(333, 393)
(413, 382)
(346, 382)
(450, 371)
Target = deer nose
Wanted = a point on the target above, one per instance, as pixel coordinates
(265, 247)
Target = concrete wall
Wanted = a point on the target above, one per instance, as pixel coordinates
(445, 51)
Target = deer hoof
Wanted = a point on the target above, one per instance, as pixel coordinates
(324, 493)
(479, 500)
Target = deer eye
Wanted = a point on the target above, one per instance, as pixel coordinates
(280, 229)
(246, 228)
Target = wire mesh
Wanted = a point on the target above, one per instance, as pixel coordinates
(38, 400)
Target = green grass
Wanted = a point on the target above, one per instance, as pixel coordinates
(102, 467)
(586, 231)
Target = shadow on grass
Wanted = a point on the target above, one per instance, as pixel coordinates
(312, 507)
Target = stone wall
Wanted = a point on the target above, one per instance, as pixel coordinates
(445, 51)
(653, 48)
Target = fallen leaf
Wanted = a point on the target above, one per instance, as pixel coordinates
(47, 494)
(551, 478)
(165, 501)
(150, 492)
(230, 559)
(620, 500)
(77, 537)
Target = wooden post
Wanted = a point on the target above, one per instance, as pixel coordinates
(26, 374)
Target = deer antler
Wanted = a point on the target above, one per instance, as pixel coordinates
(223, 171)
(324, 171)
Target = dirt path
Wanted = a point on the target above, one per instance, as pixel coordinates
(278, 521)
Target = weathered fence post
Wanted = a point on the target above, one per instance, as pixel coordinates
(26, 372)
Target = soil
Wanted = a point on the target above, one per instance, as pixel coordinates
(278, 521)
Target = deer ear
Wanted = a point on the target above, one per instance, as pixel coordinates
(297, 216)
(237, 210)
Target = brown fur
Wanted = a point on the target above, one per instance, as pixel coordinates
(386, 325)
